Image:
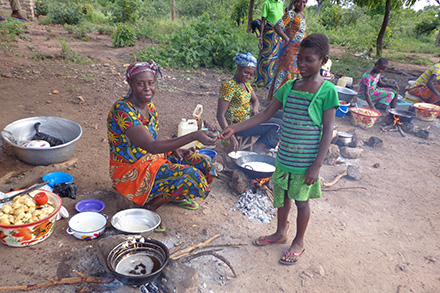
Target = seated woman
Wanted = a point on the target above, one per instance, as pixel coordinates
(376, 93)
(148, 171)
(427, 86)
(234, 106)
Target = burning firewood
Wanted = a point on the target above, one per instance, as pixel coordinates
(333, 182)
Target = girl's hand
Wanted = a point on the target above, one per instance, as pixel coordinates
(312, 175)
(260, 44)
(285, 42)
(226, 133)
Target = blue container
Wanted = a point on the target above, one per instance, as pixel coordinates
(208, 152)
(57, 177)
(342, 110)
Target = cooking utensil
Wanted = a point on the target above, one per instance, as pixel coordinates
(87, 225)
(138, 261)
(57, 178)
(364, 117)
(137, 221)
(404, 116)
(235, 155)
(426, 111)
(345, 94)
(34, 232)
(245, 163)
(90, 205)
(16, 134)
(30, 189)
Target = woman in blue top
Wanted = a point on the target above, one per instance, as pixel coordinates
(309, 106)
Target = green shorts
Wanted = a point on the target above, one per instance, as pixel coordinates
(295, 186)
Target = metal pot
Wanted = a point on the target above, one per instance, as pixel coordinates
(247, 165)
(138, 261)
(345, 94)
(87, 225)
(404, 116)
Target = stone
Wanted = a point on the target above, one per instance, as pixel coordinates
(356, 143)
(408, 127)
(180, 277)
(375, 142)
(422, 133)
(354, 172)
(351, 153)
(376, 165)
(239, 182)
(332, 155)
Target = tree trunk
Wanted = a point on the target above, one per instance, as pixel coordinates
(318, 8)
(250, 16)
(173, 10)
(437, 42)
(379, 42)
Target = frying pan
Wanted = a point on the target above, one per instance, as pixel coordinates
(252, 174)
(404, 116)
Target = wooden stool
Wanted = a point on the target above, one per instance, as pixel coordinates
(246, 142)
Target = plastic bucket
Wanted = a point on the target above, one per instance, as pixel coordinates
(342, 110)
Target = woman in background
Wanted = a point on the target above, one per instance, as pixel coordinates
(292, 29)
(427, 86)
(271, 12)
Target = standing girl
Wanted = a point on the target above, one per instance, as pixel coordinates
(309, 106)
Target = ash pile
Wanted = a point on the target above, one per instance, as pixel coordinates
(256, 205)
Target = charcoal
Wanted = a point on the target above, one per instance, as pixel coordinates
(53, 141)
(65, 189)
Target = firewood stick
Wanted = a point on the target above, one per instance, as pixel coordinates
(190, 249)
(57, 281)
(177, 248)
(399, 128)
(213, 253)
(269, 192)
(333, 182)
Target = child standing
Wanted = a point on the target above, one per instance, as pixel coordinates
(309, 106)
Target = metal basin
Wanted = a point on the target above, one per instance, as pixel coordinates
(345, 94)
(16, 134)
(256, 166)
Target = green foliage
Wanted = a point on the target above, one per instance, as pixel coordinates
(240, 11)
(204, 43)
(68, 12)
(126, 10)
(10, 30)
(71, 56)
(79, 32)
(428, 25)
(41, 7)
(105, 29)
(124, 36)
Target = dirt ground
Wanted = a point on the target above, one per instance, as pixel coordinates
(384, 238)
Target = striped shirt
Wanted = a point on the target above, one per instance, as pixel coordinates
(423, 79)
(300, 136)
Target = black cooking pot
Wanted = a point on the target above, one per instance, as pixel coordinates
(245, 165)
(138, 261)
(404, 116)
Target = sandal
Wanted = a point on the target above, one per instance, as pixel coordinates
(288, 254)
(2, 19)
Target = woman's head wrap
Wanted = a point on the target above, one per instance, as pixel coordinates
(138, 67)
(245, 60)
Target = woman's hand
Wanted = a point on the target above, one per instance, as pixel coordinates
(285, 42)
(312, 175)
(260, 44)
(206, 137)
(180, 153)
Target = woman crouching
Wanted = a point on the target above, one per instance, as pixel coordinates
(148, 171)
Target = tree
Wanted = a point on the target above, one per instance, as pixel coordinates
(437, 42)
(318, 8)
(389, 4)
(250, 16)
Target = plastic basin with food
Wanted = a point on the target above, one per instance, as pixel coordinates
(136, 221)
(364, 117)
(87, 225)
(36, 223)
(20, 132)
(426, 111)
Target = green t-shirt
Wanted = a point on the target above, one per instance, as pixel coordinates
(272, 10)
